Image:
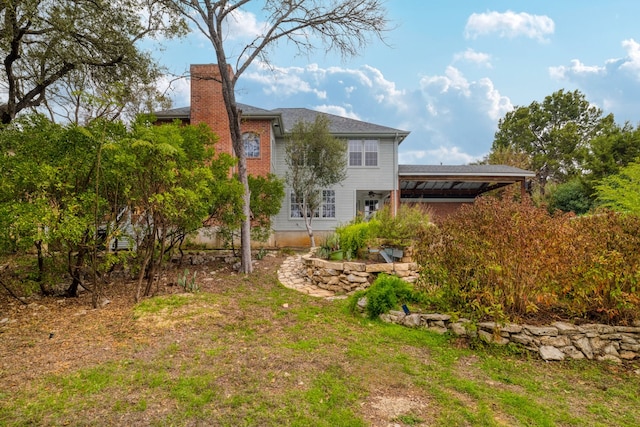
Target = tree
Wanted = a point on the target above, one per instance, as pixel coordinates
(611, 151)
(507, 156)
(570, 196)
(174, 185)
(343, 26)
(70, 190)
(554, 133)
(266, 200)
(621, 192)
(83, 96)
(44, 41)
(52, 195)
(315, 161)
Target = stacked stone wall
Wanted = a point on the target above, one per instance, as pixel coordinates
(347, 277)
(557, 341)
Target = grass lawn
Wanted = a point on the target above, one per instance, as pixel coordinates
(245, 351)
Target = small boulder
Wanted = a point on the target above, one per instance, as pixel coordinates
(548, 353)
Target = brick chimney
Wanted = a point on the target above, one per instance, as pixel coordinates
(207, 103)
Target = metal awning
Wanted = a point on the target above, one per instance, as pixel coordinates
(456, 182)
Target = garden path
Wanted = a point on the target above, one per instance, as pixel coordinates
(292, 275)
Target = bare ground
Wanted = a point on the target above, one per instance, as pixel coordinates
(55, 335)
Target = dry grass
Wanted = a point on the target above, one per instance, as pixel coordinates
(247, 351)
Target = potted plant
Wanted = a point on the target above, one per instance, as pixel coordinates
(331, 247)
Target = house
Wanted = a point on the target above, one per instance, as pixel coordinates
(373, 175)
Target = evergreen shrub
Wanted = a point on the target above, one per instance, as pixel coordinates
(386, 292)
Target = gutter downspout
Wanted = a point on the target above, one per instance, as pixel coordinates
(396, 198)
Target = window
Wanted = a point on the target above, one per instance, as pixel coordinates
(363, 153)
(370, 207)
(251, 145)
(327, 208)
(355, 153)
(296, 208)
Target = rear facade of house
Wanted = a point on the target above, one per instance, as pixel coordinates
(372, 165)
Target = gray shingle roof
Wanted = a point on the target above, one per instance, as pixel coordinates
(337, 125)
(174, 113)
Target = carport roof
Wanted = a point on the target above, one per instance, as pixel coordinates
(456, 181)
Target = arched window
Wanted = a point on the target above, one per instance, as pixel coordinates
(251, 144)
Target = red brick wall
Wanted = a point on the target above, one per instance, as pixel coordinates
(259, 166)
(207, 106)
(442, 209)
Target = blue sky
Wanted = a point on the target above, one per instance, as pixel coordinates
(449, 70)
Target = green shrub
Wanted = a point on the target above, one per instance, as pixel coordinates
(572, 196)
(328, 245)
(355, 236)
(401, 229)
(386, 292)
(188, 283)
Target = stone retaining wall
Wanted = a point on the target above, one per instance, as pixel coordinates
(346, 277)
(558, 341)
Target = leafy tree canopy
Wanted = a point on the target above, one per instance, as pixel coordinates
(621, 192)
(570, 196)
(611, 151)
(43, 42)
(555, 134)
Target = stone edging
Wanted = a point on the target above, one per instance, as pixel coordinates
(347, 277)
(558, 341)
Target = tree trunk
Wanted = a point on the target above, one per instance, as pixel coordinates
(307, 223)
(143, 267)
(148, 260)
(72, 290)
(228, 94)
(43, 288)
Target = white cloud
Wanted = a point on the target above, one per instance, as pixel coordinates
(576, 67)
(632, 63)
(179, 90)
(435, 156)
(338, 111)
(613, 86)
(470, 55)
(284, 81)
(460, 116)
(509, 24)
(455, 86)
(385, 89)
(287, 81)
(496, 104)
(453, 80)
(242, 24)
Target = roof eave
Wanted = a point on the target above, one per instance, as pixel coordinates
(526, 174)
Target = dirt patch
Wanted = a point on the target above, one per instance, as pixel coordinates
(385, 408)
(47, 335)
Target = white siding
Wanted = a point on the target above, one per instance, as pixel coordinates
(380, 178)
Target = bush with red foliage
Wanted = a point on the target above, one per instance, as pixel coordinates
(510, 260)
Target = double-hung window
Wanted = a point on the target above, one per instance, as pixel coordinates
(327, 208)
(363, 153)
